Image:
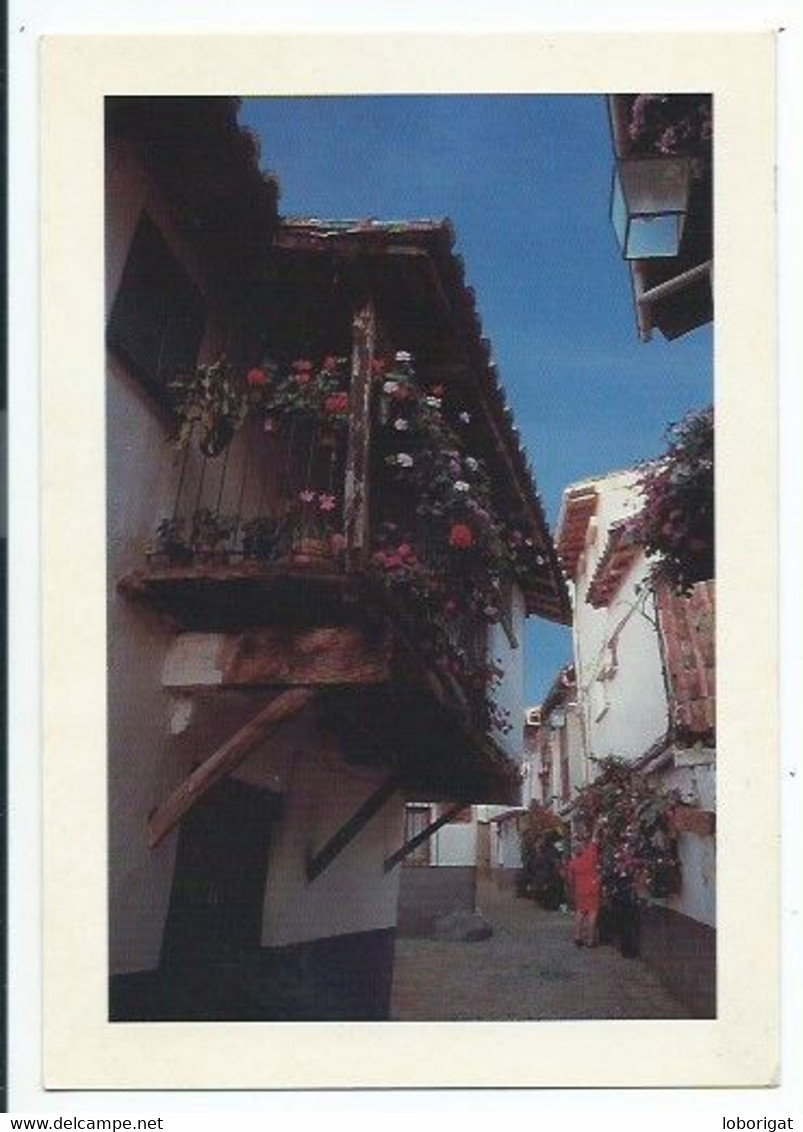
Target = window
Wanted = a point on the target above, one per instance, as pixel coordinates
(158, 317)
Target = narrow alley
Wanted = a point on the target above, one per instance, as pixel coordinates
(528, 969)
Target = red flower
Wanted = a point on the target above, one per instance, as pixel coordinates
(438, 390)
(461, 536)
(257, 376)
(337, 403)
(329, 364)
(302, 366)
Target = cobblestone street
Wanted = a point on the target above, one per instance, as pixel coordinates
(529, 969)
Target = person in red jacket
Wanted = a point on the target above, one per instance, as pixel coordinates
(583, 874)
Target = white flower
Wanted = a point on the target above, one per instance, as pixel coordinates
(432, 402)
(403, 356)
(390, 386)
(471, 463)
(461, 485)
(464, 417)
(404, 460)
(401, 424)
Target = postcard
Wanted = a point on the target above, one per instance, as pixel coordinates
(409, 529)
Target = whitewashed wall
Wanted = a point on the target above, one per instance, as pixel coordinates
(509, 844)
(510, 693)
(155, 738)
(455, 844)
(140, 475)
(626, 711)
(625, 714)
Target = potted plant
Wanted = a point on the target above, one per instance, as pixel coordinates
(210, 535)
(262, 537)
(170, 543)
(313, 528)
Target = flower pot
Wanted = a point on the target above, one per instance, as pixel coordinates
(311, 551)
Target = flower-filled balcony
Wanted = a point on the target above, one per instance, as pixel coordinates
(345, 493)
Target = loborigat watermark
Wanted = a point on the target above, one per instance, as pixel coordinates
(759, 1123)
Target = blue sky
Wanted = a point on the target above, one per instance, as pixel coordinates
(525, 181)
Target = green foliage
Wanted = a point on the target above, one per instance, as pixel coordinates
(632, 821)
(676, 522)
(210, 401)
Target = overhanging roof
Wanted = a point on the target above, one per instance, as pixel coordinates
(619, 554)
(579, 504)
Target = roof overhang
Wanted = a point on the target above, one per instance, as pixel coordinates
(621, 551)
(579, 505)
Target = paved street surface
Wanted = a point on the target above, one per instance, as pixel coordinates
(529, 969)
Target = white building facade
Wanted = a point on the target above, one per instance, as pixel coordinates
(644, 661)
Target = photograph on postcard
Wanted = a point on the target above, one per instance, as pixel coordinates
(410, 557)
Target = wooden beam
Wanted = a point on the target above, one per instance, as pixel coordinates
(324, 655)
(224, 760)
(318, 862)
(356, 488)
(677, 283)
(410, 846)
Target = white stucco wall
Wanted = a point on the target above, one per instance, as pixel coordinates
(455, 844)
(353, 894)
(140, 475)
(510, 692)
(509, 844)
(626, 711)
(693, 774)
(578, 764)
(155, 737)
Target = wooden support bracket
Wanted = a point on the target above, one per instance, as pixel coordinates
(224, 760)
(318, 862)
(410, 846)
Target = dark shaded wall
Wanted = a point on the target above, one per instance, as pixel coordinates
(683, 953)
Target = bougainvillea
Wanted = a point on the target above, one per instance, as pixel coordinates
(673, 124)
(676, 522)
(632, 822)
(542, 832)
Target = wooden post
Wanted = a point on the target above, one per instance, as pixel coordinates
(356, 492)
(410, 846)
(224, 760)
